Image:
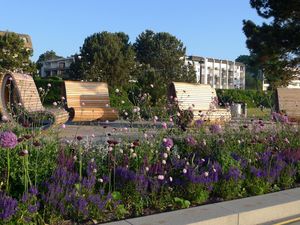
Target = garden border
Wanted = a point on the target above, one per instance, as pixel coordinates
(251, 210)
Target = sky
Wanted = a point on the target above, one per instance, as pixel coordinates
(209, 28)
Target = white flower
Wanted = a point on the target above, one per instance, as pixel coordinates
(214, 170)
(206, 174)
(134, 155)
(151, 85)
(165, 155)
(126, 113)
(121, 151)
(145, 135)
(171, 179)
(75, 157)
(178, 113)
(122, 102)
(164, 162)
(100, 180)
(165, 140)
(93, 135)
(161, 177)
(203, 160)
(147, 168)
(117, 90)
(19, 104)
(168, 149)
(55, 103)
(131, 150)
(63, 126)
(49, 85)
(155, 117)
(184, 170)
(92, 160)
(94, 170)
(63, 98)
(171, 120)
(4, 118)
(110, 149)
(40, 89)
(187, 163)
(134, 110)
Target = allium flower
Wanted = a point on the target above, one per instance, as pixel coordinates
(49, 85)
(184, 171)
(122, 102)
(55, 103)
(8, 139)
(164, 162)
(23, 152)
(164, 125)
(191, 141)
(168, 142)
(171, 179)
(165, 155)
(147, 168)
(215, 128)
(117, 90)
(206, 174)
(161, 177)
(4, 118)
(199, 123)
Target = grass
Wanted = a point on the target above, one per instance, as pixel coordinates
(258, 113)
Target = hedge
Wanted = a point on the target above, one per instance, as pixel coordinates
(253, 98)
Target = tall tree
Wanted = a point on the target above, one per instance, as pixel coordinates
(104, 56)
(165, 53)
(161, 57)
(14, 56)
(252, 75)
(276, 45)
(48, 55)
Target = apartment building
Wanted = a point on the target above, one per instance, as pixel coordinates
(56, 67)
(220, 74)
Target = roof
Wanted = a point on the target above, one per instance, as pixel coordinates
(25, 37)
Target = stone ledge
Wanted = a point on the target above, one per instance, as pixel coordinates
(252, 210)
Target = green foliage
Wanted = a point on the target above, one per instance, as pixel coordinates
(182, 203)
(275, 45)
(161, 57)
(53, 93)
(228, 190)
(251, 97)
(13, 54)
(106, 57)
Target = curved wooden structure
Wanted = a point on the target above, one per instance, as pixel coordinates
(20, 98)
(88, 101)
(200, 98)
(288, 102)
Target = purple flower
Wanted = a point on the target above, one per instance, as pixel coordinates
(233, 173)
(191, 141)
(168, 143)
(8, 206)
(8, 139)
(199, 123)
(215, 128)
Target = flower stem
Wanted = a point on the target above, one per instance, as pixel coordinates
(8, 171)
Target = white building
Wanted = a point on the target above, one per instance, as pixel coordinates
(220, 74)
(56, 67)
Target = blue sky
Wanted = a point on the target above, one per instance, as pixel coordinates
(211, 28)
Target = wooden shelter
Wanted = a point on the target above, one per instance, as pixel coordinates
(288, 102)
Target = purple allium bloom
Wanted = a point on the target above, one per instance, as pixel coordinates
(8, 139)
(168, 143)
(191, 141)
(8, 206)
(199, 123)
(215, 128)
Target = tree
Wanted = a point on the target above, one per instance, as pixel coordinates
(104, 56)
(165, 53)
(276, 45)
(161, 58)
(252, 75)
(48, 55)
(13, 54)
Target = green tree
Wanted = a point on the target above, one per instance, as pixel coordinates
(275, 45)
(48, 55)
(13, 54)
(104, 56)
(165, 53)
(252, 76)
(161, 59)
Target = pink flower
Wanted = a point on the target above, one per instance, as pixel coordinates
(161, 177)
(164, 125)
(8, 139)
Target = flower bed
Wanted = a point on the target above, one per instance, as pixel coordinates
(45, 181)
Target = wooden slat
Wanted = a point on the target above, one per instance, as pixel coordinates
(89, 100)
(198, 97)
(289, 101)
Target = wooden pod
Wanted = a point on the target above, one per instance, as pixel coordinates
(200, 98)
(288, 102)
(88, 101)
(19, 90)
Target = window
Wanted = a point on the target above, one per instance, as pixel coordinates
(61, 65)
